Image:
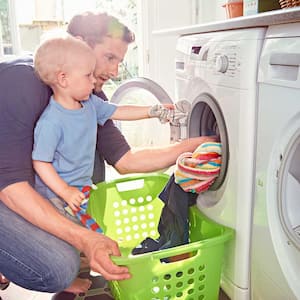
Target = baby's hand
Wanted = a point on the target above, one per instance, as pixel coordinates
(164, 112)
(73, 196)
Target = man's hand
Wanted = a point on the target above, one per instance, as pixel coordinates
(98, 248)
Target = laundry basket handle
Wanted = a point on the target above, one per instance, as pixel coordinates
(130, 185)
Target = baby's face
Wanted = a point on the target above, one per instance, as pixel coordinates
(81, 78)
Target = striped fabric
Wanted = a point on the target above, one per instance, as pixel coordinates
(83, 216)
(196, 172)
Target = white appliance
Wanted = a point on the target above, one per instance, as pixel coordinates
(275, 272)
(215, 72)
(219, 78)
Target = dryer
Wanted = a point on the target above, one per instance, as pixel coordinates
(276, 227)
(219, 78)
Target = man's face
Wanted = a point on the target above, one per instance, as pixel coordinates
(109, 54)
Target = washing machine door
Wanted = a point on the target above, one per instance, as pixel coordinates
(288, 203)
(148, 132)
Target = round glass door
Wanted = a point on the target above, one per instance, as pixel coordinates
(289, 191)
(148, 132)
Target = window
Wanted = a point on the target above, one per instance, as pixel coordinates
(23, 23)
(5, 38)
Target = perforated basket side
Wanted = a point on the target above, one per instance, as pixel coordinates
(128, 209)
(197, 276)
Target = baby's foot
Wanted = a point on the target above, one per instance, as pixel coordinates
(79, 285)
(84, 263)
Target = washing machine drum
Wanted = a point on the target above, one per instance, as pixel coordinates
(206, 119)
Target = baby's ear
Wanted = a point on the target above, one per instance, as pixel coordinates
(61, 79)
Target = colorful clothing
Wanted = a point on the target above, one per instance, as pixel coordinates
(196, 172)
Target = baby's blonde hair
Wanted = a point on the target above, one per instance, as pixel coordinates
(58, 52)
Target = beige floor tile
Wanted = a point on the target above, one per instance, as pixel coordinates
(14, 292)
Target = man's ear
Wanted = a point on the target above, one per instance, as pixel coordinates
(62, 79)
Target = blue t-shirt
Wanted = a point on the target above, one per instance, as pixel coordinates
(67, 139)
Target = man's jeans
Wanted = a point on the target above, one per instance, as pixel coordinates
(32, 258)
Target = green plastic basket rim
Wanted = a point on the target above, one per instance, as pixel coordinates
(196, 246)
(132, 178)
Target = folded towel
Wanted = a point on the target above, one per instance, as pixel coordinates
(196, 172)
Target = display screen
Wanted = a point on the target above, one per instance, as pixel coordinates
(196, 49)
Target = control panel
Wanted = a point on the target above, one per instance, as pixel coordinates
(224, 58)
(229, 60)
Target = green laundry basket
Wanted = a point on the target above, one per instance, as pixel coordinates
(128, 210)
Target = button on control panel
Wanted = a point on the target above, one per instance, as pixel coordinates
(222, 63)
(224, 59)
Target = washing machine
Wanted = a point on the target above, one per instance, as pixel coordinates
(275, 270)
(220, 81)
(217, 73)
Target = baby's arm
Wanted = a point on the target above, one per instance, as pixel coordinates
(72, 195)
(134, 112)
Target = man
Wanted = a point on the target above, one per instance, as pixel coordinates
(110, 50)
(38, 246)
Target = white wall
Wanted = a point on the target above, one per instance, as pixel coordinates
(157, 57)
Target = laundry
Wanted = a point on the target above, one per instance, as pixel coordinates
(174, 116)
(173, 225)
(195, 172)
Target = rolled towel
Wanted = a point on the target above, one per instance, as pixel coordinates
(81, 212)
(196, 172)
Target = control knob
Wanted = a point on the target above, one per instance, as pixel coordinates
(222, 63)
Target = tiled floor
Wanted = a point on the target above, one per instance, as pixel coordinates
(14, 292)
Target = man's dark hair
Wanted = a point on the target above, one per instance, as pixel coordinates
(93, 27)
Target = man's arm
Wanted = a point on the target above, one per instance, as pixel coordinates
(41, 213)
(113, 147)
(154, 159)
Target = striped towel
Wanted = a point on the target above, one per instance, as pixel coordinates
(196, 172)
(81, 213)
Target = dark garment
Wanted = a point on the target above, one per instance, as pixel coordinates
(23, 98)
(174, 223)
